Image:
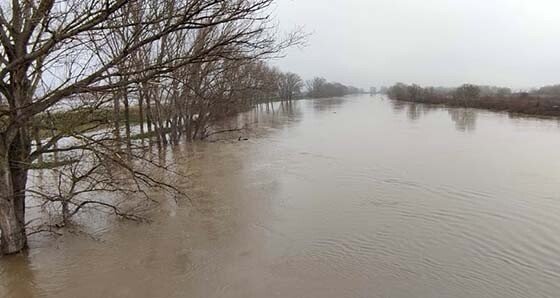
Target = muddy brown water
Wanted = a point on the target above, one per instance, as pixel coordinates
(354, 197)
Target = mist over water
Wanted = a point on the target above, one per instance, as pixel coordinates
(345, 197)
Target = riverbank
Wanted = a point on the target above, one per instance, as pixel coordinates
(515, 104)
(522, 106)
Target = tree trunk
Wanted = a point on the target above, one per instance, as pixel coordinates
(117, 116)
(159, 126)
(149, 115)
(141, 109)
(38, 144)
(126, 117)
(13, 178)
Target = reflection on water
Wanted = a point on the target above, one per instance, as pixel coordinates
(353, 197)
(464, 118)
(399, 106)
(328, 104)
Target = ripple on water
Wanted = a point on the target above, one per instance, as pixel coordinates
(307, 209)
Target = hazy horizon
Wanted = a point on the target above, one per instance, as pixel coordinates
(432, 42)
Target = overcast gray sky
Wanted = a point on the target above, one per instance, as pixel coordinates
(512, 43)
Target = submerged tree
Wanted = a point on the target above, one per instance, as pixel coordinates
(81, 56)
(289, 86)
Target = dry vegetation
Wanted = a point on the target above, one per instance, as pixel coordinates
(542, 102)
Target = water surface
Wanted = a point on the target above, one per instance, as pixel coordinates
(354, 197)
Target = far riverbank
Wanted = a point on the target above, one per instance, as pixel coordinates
(487, 98)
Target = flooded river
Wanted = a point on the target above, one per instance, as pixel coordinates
(356, 197)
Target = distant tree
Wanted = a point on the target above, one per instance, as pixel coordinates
(503, 92)
(315, 87)
(289, 86)
(320, 88)
(467, 92)
(398, 91)
(414, 92)
(548, 91)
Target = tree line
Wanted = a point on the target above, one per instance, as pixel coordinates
(87, 81)
(321, 88)
(542, 101)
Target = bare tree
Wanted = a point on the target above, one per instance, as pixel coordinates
(289, 86)
(467, 92)
(320, 88)
(84, 55)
